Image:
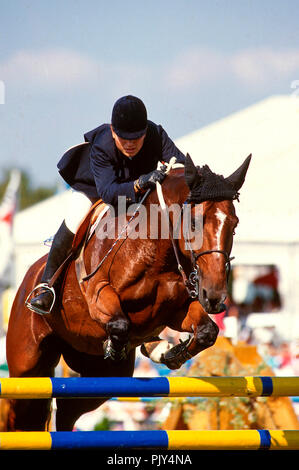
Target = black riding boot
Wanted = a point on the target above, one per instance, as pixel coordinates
(60, 249)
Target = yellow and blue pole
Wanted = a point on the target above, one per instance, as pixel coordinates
(169, 440)
(148, 387)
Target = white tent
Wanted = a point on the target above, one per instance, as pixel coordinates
(270, 131)
(268, 231)
(32, 227)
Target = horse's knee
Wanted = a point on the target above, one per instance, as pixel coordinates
(118, 329)
(115, 347)
(205, 335)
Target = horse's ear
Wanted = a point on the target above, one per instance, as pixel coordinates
(192, 177)
(237, 178)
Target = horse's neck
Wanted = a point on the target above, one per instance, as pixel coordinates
(173, 190)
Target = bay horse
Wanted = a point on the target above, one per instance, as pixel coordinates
(143, 285)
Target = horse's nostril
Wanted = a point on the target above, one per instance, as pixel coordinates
(214, 303)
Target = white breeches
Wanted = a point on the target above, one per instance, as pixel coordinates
(77, 208)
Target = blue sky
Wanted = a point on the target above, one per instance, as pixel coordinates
(64, 63)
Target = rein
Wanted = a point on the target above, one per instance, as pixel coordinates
(124, 230)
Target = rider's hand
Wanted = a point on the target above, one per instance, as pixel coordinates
(149, 180)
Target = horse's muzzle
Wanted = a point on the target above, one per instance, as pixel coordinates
(213, 302)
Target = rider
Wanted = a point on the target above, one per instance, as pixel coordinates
(122, 161)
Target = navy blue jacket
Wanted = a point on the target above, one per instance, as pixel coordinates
(102, 171)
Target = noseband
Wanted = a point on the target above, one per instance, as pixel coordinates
(195, 278)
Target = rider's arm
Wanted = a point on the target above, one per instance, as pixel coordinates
(108, 187)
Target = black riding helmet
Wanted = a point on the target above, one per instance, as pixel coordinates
(129, 118)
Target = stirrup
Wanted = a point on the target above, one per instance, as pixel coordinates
(38, 310)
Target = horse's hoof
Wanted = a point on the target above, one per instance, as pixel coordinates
(113, 354)
(177, 356)
(156, 349)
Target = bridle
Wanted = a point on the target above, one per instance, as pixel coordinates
(193, 283)
(194, 287)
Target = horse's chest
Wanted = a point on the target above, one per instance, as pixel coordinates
(153, 294)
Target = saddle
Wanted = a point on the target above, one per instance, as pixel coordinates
(93, 216)
(84, 233)
(82, 236)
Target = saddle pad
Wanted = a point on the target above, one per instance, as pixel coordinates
(88, 220)
(94, 217)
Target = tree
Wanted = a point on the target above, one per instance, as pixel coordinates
(28, 194)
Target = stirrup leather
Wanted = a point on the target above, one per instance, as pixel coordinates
(38, 310)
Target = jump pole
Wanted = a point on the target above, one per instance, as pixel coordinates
(169, 440)
(78, 387)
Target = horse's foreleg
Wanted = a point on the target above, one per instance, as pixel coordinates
(105, 308)
(155, 349)
(203, 331)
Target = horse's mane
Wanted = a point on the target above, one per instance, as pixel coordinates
(211, 186)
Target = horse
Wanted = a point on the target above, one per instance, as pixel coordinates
(136, 287)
